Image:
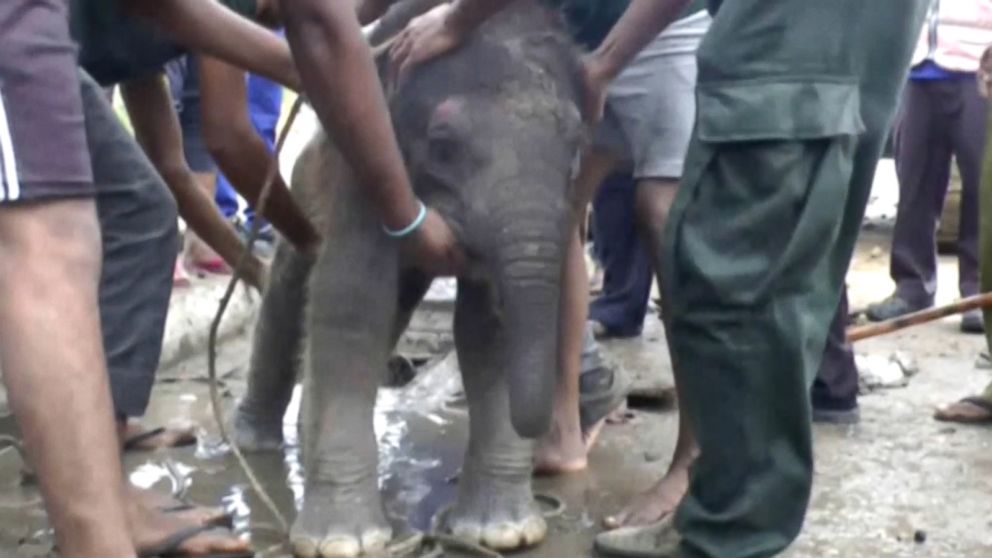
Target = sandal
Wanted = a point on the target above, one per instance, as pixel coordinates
(657, 540)
(982, 403)
(212, 266)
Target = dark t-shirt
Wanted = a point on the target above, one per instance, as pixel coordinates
(590, 21)
(115, 47)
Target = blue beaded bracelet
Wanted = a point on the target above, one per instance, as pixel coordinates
(406, 231)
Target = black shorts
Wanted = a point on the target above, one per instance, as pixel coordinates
(43, 149)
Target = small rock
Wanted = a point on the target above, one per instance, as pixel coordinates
(877, 372)
(906, 362)
(984, 361)
(876, 252)
(920, 536)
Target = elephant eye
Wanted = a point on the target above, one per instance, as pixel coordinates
(443, 149)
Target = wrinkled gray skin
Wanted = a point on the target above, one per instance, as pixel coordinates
(490, 135)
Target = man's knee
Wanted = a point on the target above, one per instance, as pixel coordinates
(653, 204)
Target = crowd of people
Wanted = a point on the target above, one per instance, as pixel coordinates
(733, 150)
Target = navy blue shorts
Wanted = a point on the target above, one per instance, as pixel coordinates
(184, 82)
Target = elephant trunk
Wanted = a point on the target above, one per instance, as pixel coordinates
(529, 285)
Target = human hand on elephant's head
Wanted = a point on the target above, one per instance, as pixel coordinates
(426, 37)
(985, 73)
(434, 248)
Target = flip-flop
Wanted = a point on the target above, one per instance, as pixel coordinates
(657, 540)
(133, 443)
(213, 266)
(602, 390)
(171, 546)
(977, 401)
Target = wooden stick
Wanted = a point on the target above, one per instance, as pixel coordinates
(916, 318)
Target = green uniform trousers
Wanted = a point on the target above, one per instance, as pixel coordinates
(985, 240)
(794, 101)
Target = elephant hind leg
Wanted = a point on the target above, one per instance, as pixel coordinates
(495, 503)
(275, 353)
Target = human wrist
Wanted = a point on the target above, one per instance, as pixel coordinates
(458, 21)
(604, 63)
(412, 226)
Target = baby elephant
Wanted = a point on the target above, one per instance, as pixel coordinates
(490, 135)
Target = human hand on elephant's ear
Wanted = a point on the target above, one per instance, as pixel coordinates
(985, 73)
(435, 249)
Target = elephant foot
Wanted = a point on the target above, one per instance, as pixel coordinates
(256, 432)
(498, 513)
(340, 522)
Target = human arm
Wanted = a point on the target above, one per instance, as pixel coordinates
(639, 25)
(213, 29)
(242, 155)
(339, 77)
(157, 130)
(985, 73)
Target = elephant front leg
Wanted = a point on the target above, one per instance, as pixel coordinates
(495, 504)
(352, 315)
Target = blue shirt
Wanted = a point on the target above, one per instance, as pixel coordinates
(928, 70)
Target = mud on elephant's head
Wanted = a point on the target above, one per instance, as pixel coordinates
(491, 136)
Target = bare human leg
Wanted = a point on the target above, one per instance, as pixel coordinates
(54, 368)
(654, 200)
(564, 449)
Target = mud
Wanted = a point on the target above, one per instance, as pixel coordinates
(899, 484)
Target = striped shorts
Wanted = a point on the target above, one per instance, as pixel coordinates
(43, 150)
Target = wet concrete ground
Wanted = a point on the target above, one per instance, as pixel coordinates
(895, 477)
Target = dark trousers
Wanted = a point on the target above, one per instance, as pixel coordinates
(937, 120)
(627, 285)
(836, 383)
(627, 270)
(138, 226)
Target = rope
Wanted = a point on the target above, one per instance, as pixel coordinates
(238, 274)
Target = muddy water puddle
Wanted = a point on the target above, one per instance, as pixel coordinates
(422, 431)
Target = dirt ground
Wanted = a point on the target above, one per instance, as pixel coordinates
(898, 484)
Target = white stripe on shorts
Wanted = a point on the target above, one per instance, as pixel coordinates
(11, 184)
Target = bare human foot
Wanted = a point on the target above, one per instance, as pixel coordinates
(563, 450)
(970, 410)
(188, 513)
(150, 527)
(134, 436)
(658, 502)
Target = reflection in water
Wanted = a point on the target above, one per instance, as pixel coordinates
(420, 447)
(177, 475)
